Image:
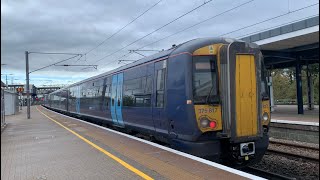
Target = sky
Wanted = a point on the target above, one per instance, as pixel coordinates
(77, 26)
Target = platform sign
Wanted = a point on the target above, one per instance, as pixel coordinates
(20, 89)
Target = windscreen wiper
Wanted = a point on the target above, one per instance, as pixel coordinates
(207, 99)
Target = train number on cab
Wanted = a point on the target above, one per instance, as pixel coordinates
(207, 110)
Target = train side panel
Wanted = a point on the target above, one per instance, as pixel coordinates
(137, 97)
(180, 114)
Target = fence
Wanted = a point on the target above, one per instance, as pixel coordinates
(3, 117)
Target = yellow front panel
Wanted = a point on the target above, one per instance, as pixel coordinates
(246, 97)
(212, 113)
(266, 109)
(207, 50)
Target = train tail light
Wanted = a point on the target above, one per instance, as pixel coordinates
(213, 124)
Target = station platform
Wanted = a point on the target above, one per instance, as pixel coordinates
(54, 146)
(289, 113)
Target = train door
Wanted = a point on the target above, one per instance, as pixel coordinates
(240, 92)
(158, 110)
(116, 99)
(78, 93)
(246, 98)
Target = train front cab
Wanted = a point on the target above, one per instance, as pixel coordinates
(231, 104)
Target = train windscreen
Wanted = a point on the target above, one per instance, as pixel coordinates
(205, 86)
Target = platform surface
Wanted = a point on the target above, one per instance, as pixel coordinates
(290, 113)
(41, 149)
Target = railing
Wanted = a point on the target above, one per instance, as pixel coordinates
(292, 102)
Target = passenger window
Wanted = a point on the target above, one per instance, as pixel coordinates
(160, 88)
(137, 88)
(106, 92)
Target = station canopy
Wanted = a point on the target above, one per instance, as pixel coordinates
(282, 46)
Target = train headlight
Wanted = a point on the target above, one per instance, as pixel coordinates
(265, 116)
(204, 123)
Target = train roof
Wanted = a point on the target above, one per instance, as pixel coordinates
(189, 46)
(162, 54)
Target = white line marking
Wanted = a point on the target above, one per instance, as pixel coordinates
(204, 161)
(294, 122)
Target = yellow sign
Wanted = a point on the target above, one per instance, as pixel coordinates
(212, 113)
(20, 89)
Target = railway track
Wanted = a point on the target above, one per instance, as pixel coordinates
(293, 145)
(283, 153)
(294, 150)
(288, 161)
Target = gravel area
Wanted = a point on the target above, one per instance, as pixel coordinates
(291, 167)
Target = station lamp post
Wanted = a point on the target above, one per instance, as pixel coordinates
(27, 84)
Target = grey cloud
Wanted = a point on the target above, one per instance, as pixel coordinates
(77, 26)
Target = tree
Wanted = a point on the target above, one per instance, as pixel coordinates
(284, 83)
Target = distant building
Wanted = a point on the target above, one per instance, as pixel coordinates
(23, 94)
(11, 103)
(42, 93)
(36, 93)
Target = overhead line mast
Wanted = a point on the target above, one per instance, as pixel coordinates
(28, 72)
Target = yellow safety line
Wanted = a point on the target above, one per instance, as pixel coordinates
(128, 166)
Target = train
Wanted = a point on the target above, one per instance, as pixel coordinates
(207, 97)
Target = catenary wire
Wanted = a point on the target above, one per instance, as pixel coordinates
(260, 22)
(117, 32)
(230, 31)
(215, 16)
(210, 19)
(269, 19)
(53, 64)
(206, 2)
(273, 27)
(224, 12)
